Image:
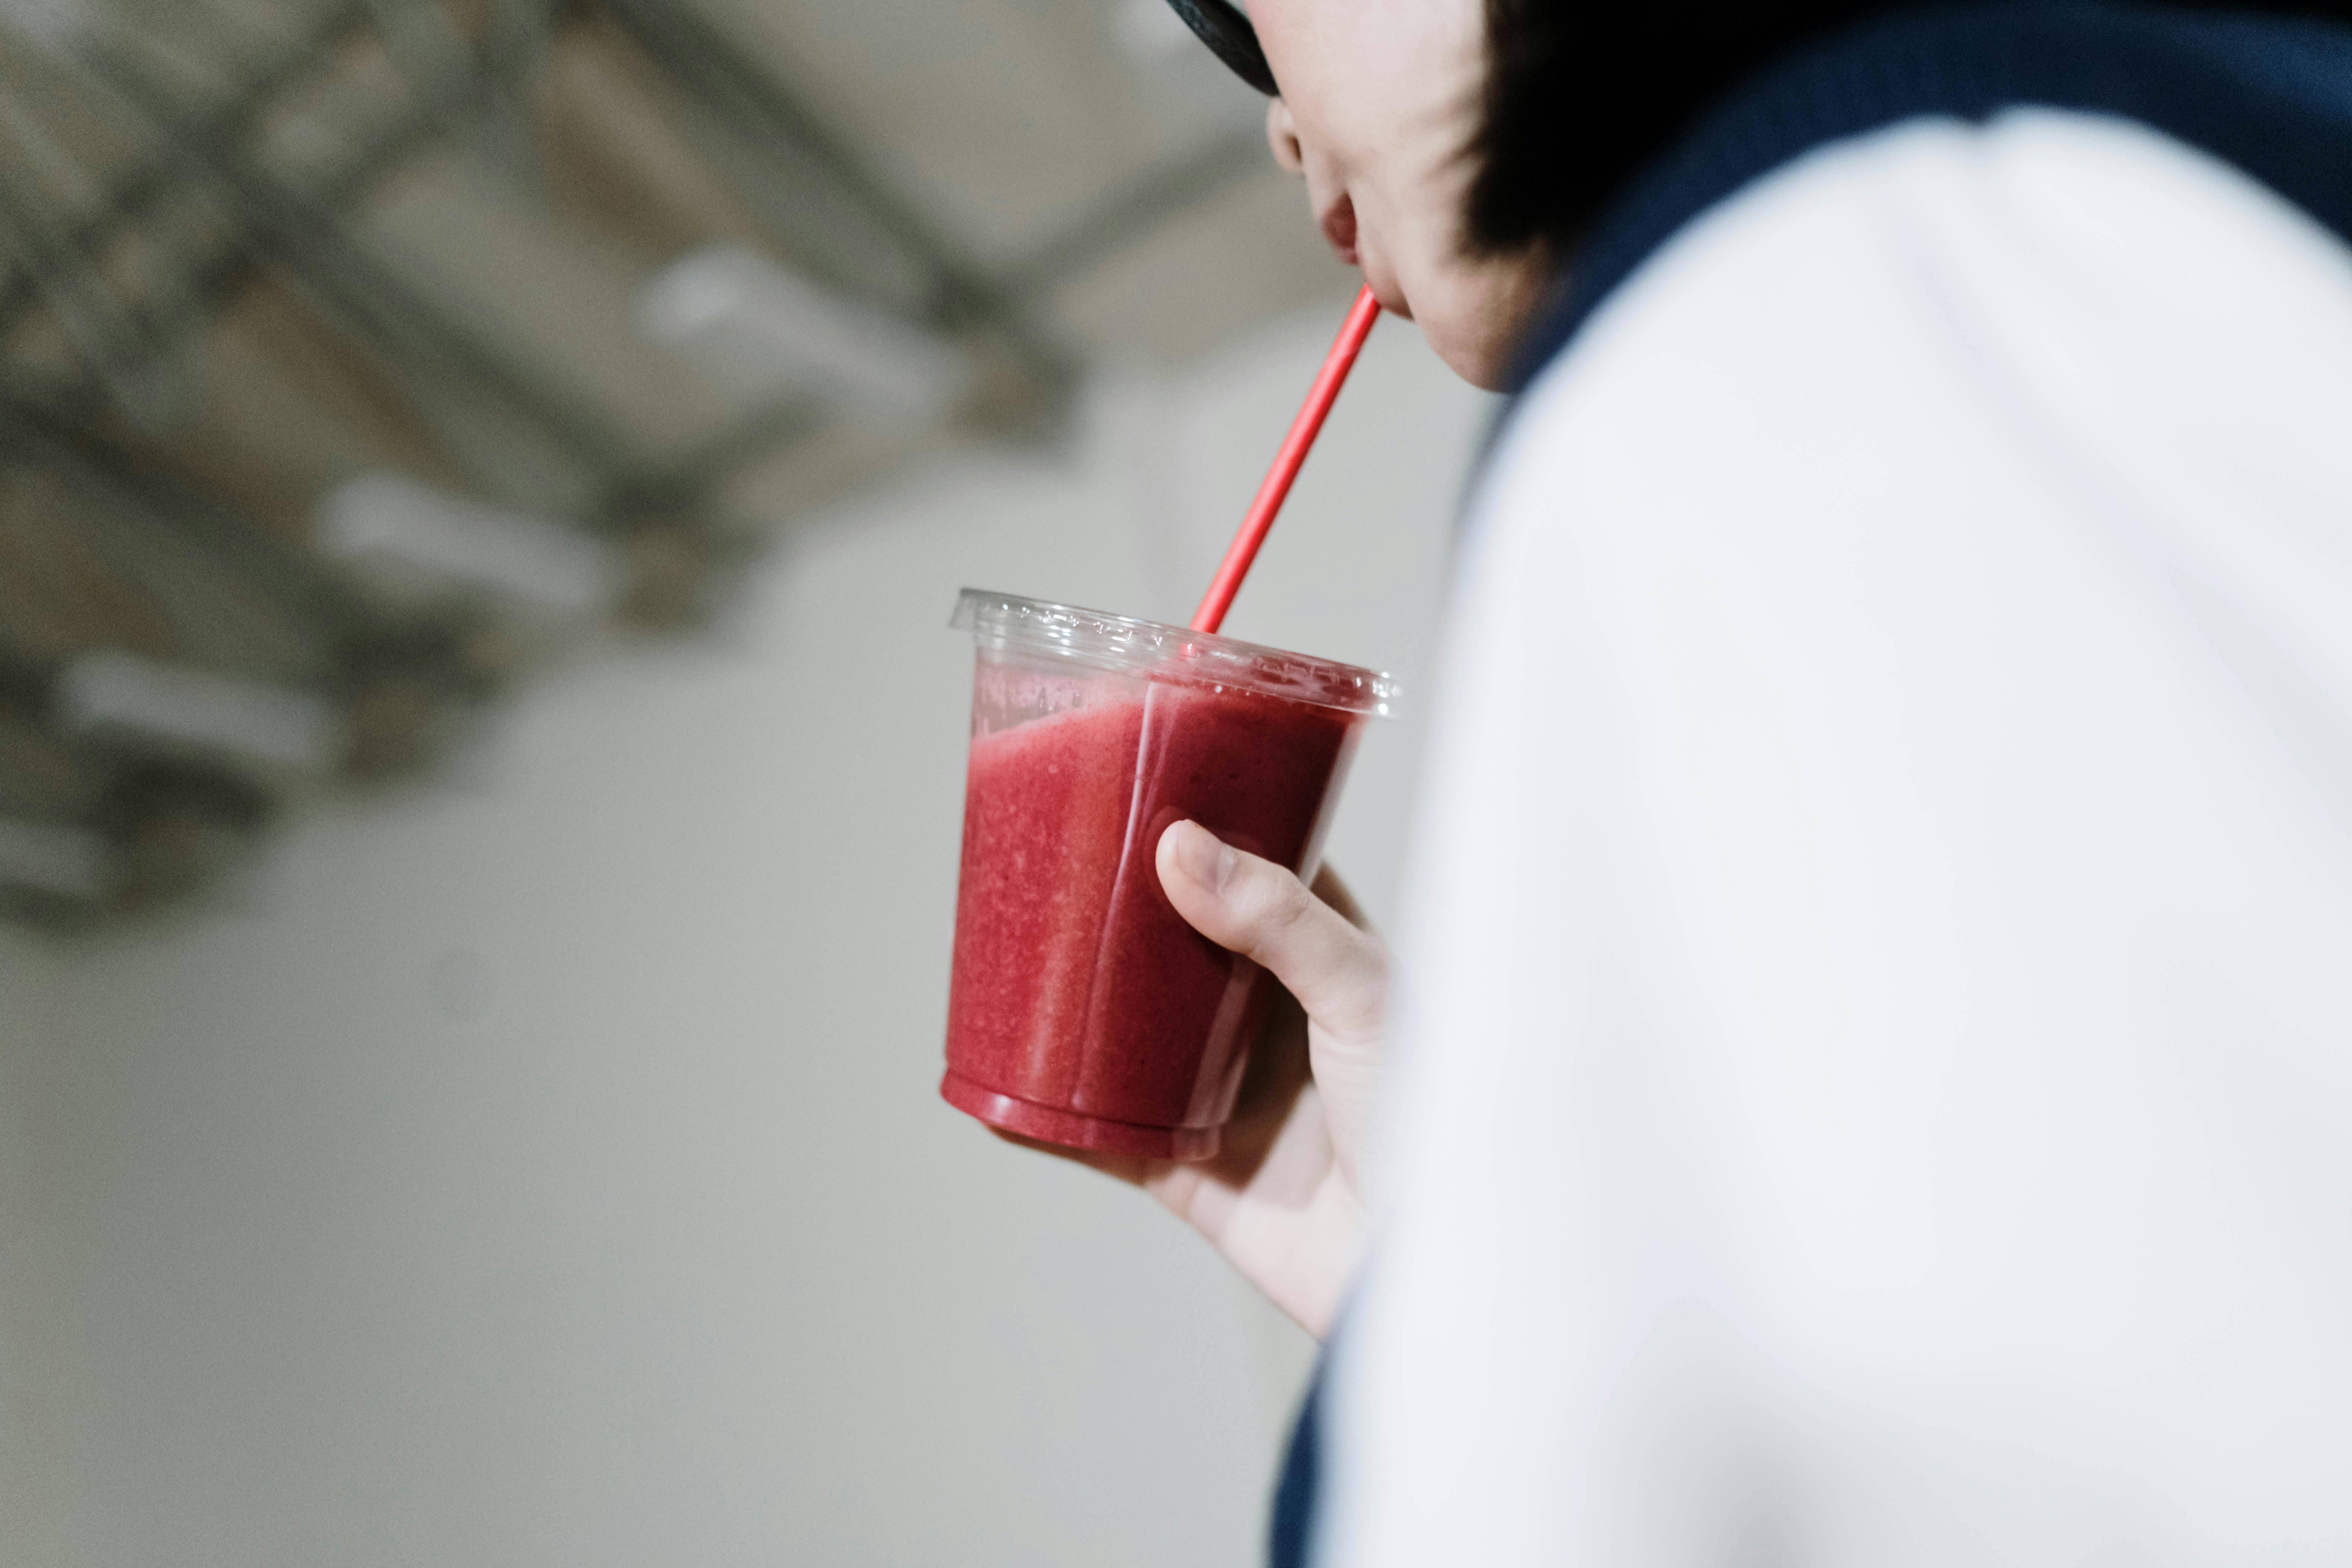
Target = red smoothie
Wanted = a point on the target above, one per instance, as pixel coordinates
(1083, 1009)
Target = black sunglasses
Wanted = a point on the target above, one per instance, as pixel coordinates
(1231, 38)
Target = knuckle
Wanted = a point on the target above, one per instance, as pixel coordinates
(1270, 899)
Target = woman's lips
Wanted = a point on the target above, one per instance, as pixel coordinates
(1339, 224)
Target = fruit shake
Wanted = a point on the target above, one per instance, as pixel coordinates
(1083, 1009)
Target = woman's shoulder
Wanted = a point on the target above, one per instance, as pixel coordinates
(1890, 316)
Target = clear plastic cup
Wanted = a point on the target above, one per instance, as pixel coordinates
(1084, 1011)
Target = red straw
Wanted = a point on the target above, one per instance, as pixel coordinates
(1294, 446)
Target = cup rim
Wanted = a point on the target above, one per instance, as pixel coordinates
(1101, 640)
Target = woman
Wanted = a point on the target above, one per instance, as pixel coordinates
(1877, 1007)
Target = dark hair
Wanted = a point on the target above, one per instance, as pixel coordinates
(1578, 97)
(1581, 97)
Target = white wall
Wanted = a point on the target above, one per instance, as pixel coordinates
(546, 1167)
(28, 1018)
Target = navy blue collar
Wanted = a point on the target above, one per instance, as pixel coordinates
(2271, 95)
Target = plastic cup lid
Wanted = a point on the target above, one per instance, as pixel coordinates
(1103, 641)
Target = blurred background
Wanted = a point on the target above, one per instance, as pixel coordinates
(482, 484)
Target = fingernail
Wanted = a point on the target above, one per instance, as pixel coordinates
(1203, 857)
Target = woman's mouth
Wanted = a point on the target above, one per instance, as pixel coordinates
(1339, 224)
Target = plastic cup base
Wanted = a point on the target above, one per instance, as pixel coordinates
(1074, 1130)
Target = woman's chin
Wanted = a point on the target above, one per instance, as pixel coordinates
(1477, 330)
(1482, 356)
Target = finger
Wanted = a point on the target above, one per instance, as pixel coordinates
(1260, 910)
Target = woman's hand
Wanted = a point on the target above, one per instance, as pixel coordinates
(1282, 1200)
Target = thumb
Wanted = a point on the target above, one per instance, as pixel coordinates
(1259, 909)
